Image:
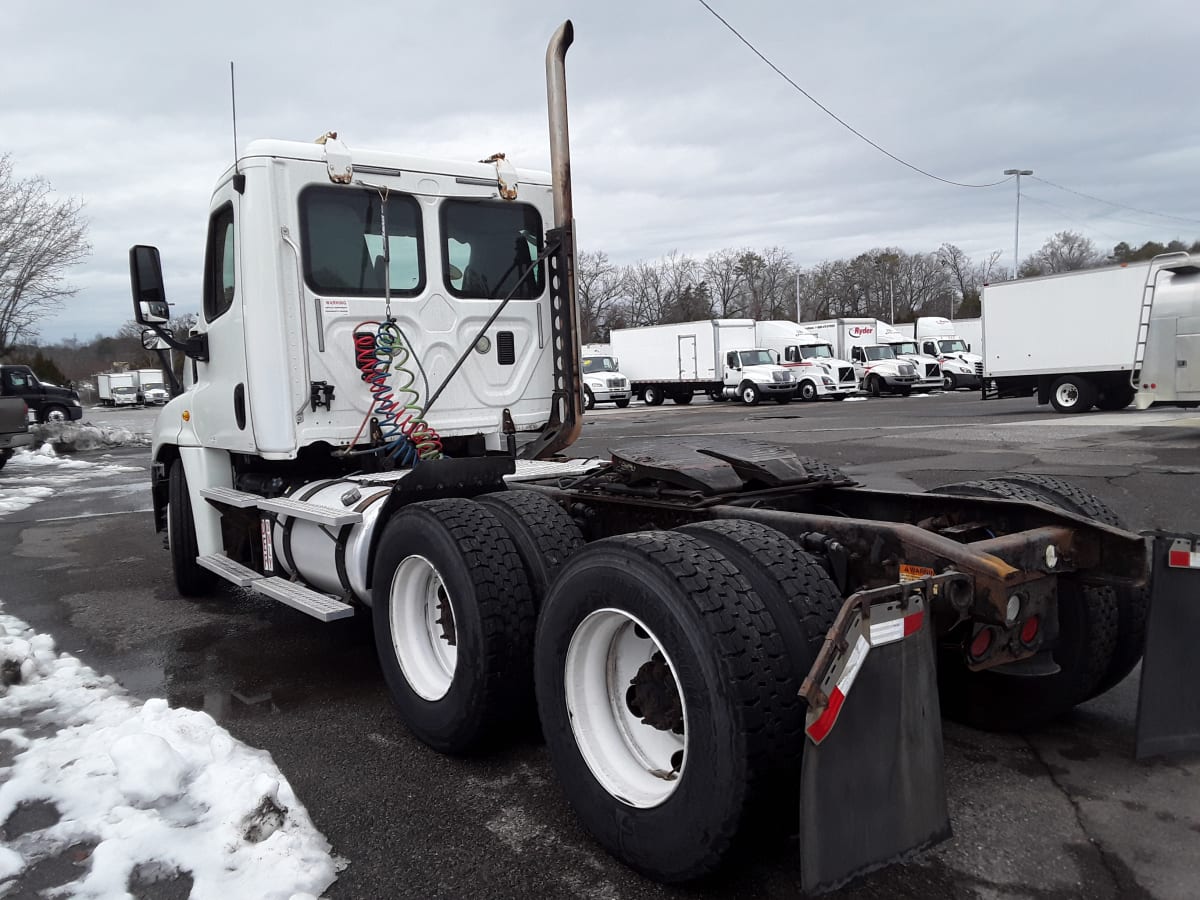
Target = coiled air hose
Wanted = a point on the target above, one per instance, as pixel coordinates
(382, 357)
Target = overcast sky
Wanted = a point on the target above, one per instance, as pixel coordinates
(682, 138)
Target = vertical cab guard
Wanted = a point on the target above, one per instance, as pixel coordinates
(566, 411)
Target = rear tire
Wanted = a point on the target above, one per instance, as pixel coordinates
(1072, 394)
(454, 620)
(542, 532)
(1084, 650)
(652, 396)
(803, 600)
(705, 701)
(191, 580)
(682, 399)
(1133, 605)
(1114, 398)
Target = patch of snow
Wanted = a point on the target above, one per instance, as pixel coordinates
(71, 437)
(148, 785)
(17, 499)
(33, 475)
(852, 399)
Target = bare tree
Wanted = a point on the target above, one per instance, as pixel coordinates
(726, 283)
(40, 238)
(599, 286)
(1066, 251)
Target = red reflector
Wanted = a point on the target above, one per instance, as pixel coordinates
(981, 643)
(1153, 386)
(820, 728)
(912, 623)
(1030, 629)
(1183, 559)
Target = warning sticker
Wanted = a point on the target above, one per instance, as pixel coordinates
(913, 573)
(333, 306)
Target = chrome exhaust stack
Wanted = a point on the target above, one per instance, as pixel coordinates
(566, 409)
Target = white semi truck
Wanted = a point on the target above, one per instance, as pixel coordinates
(818, 371)
(723, 640)
(929, 371)
(1097, 338)
(876, 366)
(939, 337)
(151, 387)
(717, 357)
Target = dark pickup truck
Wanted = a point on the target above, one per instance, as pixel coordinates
(14, 427)
(49, 402)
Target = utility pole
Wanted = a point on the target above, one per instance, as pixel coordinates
(1017, 226)
(797, 295)
(892, 295)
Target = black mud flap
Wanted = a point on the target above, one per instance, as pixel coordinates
(873, 786)
(1168, 718)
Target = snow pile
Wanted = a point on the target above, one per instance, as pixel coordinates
(149, 786)
(33, 475)
(71, 437)
(19, 498)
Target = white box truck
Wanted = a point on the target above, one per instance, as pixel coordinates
(117, 388)
(152, 387)
(948, 340)
(819, 372)
(1074, 339)
(717, 357)
(602, 382)
(875, 365)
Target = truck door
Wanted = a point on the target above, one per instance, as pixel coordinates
(224, 419)
(733, 369)
(1187, 361)
(687, 356)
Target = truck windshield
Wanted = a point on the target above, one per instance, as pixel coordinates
(817, 351)
(755, 358)
(488, 246)
(954, 346)
(906, 347)
(877, 353)
(599, 364)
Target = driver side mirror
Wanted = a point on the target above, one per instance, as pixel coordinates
(150, 305)
(968, 348)
(151, 341)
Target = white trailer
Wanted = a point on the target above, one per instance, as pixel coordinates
(875, 364)
(117, 388)
(717, 357)
(818, 370)
(1074, 339)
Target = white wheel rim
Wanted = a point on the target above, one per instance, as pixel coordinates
(424, 635)
(1067, 394)
(748, 395)
(55, 416)
(638, 763)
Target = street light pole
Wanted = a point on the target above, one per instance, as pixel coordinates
(1017, 226)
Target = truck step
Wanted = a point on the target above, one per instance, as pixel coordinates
(230, 497)
(231, 570)
(312, 512)
(318, 605)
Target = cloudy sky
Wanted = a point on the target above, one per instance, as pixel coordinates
(682, 138)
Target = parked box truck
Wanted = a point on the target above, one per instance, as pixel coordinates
(818, 370)
(1073, 340)
(929, 371)
(875, 365)
(152, 387)
(117, 388)
(718, 357)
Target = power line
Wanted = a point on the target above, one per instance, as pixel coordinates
(825, 109)
(1148, 212)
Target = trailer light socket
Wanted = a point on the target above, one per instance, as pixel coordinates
(981, 644)
(1029, 631)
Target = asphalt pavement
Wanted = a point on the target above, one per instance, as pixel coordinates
(1063, 812)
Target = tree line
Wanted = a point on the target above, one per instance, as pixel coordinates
(886, 283)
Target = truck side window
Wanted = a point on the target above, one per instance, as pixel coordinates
(931, 349)
(488, 245)
(342, 242)
(218, 264)
(731, 359)
(791, 354)
(857, 354)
